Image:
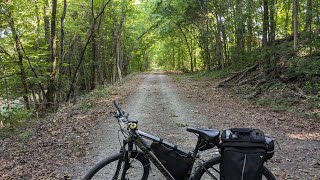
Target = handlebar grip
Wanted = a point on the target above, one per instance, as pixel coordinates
(116, 104)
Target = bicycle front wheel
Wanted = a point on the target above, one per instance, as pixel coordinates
(210, 170)
(113, 168)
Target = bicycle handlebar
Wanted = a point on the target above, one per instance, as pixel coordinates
(116, 104)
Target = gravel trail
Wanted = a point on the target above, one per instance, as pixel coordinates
(164, 107)
(160, 111)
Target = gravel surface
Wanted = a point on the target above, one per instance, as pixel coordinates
(160, 110)
(165, 107)
(298, 138)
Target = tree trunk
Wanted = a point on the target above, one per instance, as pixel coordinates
(6, 89)
(308, 16)
(173, 59)
(102, 50)
(240, 27)
(23, 75)
(38, 25)
(94, 78)
(207, 53)
(250, 25)
(189, 48)
(179, 55)
(288, 7)
(219, 43)
(119, 60)
(61, 56)
(82, 83)
(225, 44)
(74, 76)
(272, 33)
(46, 23)
(115, 61)
(193, 52)
(295, 25)
(51, 93)
(265, 24)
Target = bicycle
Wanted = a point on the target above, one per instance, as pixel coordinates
(131, 163)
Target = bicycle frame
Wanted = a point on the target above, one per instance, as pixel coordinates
(154, 152)
(137, 137)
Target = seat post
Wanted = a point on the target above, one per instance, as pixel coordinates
(196, 149)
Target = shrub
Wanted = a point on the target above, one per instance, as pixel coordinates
(90, 99)
(15, 115)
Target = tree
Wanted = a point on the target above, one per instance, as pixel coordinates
(129, 36)
(265, 24)
(272, 33)
(51, 93)
(308, 16)
(89, 38)
(18, 46)
(295, 24)
(61, 54)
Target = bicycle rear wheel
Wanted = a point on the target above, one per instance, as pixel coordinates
(113, 168)
(213, 172)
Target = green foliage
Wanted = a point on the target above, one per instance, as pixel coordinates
(303, 68)
(264, 101)
(279, 108)
(15, 116)
(90, 99)
(306, 71)
(159, 34)
(313, 103)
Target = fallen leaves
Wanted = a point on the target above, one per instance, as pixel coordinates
(299, 138)
(42, 149)
(306, 136)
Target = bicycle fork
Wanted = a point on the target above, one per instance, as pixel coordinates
(125, 166)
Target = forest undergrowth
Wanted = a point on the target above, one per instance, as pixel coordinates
(275, 77)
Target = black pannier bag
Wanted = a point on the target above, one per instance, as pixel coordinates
(177, 163)
(243, 151)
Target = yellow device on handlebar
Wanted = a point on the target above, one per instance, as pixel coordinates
(133, 126)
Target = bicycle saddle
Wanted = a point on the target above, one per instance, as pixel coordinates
(208, 134)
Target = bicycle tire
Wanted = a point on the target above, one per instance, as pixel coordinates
(216, 160)
(118, 158)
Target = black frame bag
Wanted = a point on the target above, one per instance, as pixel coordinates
(243, 152)
(179, 165)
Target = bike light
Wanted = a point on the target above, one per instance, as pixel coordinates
(133, 126)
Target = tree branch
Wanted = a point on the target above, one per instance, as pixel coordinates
(153, 26)
(33, 70)
(71, 89)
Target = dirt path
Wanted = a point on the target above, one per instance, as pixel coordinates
(165, 106)
(160, 110)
